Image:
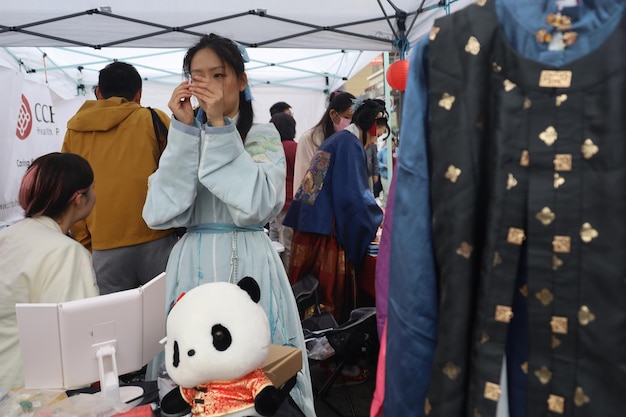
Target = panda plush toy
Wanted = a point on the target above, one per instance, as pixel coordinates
(218, 337)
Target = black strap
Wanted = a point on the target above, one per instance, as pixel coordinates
(160, 130)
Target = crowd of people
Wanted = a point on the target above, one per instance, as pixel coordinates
(209, 172)
(505, 294)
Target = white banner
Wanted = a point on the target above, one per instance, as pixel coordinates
(33, 124)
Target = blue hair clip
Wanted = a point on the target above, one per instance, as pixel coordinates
(246, 58)
(248, 93)
(242, 51)
(356, 103)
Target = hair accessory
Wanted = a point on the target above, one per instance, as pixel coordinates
(356, 103)
(246, 58)
(248, 93)
(373, 129)
(242, 51)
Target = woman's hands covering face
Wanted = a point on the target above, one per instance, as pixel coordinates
(210, 95)
(180, 103)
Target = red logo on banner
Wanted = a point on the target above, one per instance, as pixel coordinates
(24, 120)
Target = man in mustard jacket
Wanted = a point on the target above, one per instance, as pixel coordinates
(122, 142)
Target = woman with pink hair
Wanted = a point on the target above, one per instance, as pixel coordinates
(40, 263)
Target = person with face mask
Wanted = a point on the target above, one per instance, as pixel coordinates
(334, 214)
(337, 117)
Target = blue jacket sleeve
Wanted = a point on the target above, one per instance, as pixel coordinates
(356, 213)
(412, 309)
(249, 179)
(382, 155)
(172, 188)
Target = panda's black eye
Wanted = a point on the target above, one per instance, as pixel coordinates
(191, 352)
(221, 337)
(176, 356)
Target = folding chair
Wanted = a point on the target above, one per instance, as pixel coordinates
(347, 339)
(305, 292)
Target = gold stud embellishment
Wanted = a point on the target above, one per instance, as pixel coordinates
(558, 324)
(561, 244)
(555, 342)
(527, 103)
(496, 67)
(569, 38)
(451, 370)
(580, 398)
(545, 297)
(497, 259)
(504, 314)
(563, 162)
(556, 262)
(465, 250)
(543, 374)
(525, 158)
(511, 182)
(492, 391)
(549, 136)
(446, 101)
(524, 367)
(556, 404)
(484, 338)
(589, 149)
(588, 233)
(433, 33)
(508, 85)
(453, 173)
(472, 46)
(585, 316)
(524, 290)
(555, 79)
(427, 407)
(543, 36)
(546, 216)
(560, 99)
(516, 236)
(559, 21)
(558, 180)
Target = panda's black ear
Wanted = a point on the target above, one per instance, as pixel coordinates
(249, 285)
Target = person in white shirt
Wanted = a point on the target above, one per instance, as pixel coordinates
(39, 262)
(338, 116)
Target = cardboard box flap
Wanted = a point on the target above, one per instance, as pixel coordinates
(282, 363)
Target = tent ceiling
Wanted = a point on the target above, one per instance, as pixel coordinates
(314, 45)
(305, 69)
(324, 24)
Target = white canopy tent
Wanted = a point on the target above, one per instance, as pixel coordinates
(299, 51)
(326, 24)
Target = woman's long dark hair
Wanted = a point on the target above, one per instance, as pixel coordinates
(228, 53)
(371, 111)
(51, 182)
(339, 102)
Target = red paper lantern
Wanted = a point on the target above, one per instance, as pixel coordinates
(397, 74)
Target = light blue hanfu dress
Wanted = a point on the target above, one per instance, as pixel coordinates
(224, 192)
